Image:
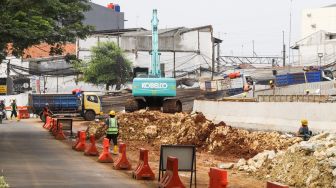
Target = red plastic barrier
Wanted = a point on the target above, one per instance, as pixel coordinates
(171, 178)
(218, 178)
(275, 185)
(23, 112)
(122, 163)
(55, 127)
(82, 143)
(60, 135)
(52, 125)
(91, 149)
(77, 140)
(143, 170)
(47, 124)
(105, 156)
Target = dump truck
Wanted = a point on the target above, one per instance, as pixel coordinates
(87, 105)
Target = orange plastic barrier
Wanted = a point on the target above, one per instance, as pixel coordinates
(60, 135)
(91, 149)
(77, 140)
(47, 125)
(54, 127)
(122, 163)
(23, 112)
(171, 178)
(82, 143)
(275, 185)
(143, 170)
(105, 156)
(218, 178)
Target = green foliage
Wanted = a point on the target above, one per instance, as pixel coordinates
(108, 66)
(25, 23)
(3, 184)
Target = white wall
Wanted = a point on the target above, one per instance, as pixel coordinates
(279, 116)
(322, 18)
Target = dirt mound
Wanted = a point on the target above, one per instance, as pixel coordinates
(306, 164)
(158, 128)
(97, 129)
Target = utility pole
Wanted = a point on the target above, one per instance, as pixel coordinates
(57, 83)
(253, 52)
(174, 75)
(213, 55)
(218, 54)
(8, 76)
(290, 33)
(284, 49)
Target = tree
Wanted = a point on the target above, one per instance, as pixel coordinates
(24, 23)
(108, 66)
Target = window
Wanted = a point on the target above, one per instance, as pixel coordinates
(92, 98)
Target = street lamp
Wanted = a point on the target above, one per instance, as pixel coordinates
(320, 55)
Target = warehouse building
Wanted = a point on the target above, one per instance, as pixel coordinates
(318, 37)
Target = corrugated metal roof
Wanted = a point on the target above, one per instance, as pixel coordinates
(333, 5)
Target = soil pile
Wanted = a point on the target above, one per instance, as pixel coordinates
(181, 128)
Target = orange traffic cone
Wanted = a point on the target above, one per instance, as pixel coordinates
(105, 156)
(91, 149)
(81, 145)
(122, 162)
(60, 135)
(77, 140)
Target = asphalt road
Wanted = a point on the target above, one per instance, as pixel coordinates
(31, 157)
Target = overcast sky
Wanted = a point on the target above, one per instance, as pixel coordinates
(237, 22)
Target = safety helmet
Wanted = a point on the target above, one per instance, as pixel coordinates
(47, 104)
(112, 113)
(304, 122)
(271, 81)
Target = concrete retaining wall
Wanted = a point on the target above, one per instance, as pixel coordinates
(326, 87)
(279, 116)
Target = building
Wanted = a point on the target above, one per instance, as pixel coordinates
(317, 19)
(318, 37)
(184, 51)
(104, 18)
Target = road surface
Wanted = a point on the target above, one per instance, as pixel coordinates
(31, 157)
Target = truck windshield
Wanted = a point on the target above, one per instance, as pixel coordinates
(92, 98)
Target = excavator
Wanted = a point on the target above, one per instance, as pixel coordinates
(153, 91)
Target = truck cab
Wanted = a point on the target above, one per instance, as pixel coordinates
(91, 105)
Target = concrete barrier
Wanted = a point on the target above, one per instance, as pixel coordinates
(279, 116)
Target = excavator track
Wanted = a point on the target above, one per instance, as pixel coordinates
(131, 105)
(172, 106)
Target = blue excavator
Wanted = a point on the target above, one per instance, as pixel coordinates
(153, 91)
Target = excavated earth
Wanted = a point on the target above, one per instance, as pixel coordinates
(158, 128)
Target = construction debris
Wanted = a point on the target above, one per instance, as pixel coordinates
(159, 128)
(306, 164)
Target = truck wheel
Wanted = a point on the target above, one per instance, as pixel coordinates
(89, 115)
(42, 118)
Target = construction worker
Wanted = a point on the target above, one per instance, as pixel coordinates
(304, 131)
(3, 109)
(46, 112)
(112, 130)
(271, 84)
(307, 92)
(14, 109)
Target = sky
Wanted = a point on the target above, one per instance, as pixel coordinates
(236, 22)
